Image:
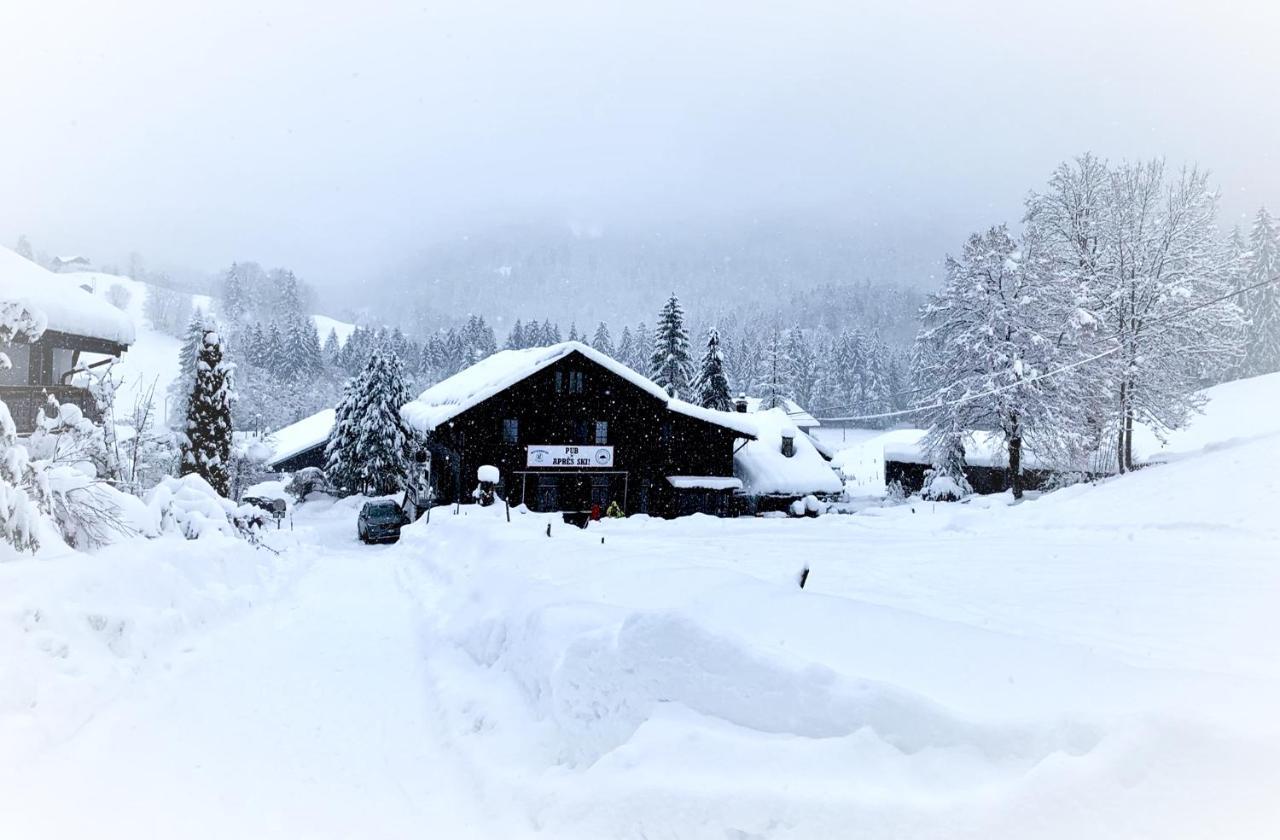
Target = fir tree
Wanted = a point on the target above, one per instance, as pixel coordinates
(370, 449)
(206, 443)
(573, 331)
(774, 386)
(670, 365)
(625, 352)
(602, 341)
(515, 338)
(1262, 305)
(332, 348)
(713, 387)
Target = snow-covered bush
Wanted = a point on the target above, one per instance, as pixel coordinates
(24, 494)
(191, 507)
(118, 296)
(306, 481)
(808, 506)
(941, 487)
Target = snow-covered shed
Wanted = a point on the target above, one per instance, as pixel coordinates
(782, 463)
(77, 330)
(301, 444)
(570, 428)
(906, 461)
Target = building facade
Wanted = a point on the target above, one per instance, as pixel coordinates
(570, 429)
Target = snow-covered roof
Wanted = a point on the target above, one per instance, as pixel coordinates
(798, 416)
(704, 482)
(66, 307)
(468, 388)
(765, 470)
(739, 423)
(298, 437)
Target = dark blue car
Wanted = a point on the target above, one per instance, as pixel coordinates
(380, 522)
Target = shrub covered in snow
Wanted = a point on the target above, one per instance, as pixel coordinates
(306, 481)
(191, 507)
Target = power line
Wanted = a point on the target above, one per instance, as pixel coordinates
(1063, 369)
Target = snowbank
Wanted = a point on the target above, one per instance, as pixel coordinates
(75, 628)
(67, 307)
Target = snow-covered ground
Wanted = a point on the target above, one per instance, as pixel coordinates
(1103, 661)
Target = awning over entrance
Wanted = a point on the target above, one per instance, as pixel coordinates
(705, 482)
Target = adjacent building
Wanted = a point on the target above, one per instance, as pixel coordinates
(82, 331)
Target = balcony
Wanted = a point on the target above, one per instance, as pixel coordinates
(25, 402)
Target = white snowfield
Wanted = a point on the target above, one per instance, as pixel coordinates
(1101, 662)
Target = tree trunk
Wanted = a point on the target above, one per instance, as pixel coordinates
(1120, 438)
(1015, 465)
(1128, 440)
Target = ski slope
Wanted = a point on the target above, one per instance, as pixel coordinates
(1103, 661)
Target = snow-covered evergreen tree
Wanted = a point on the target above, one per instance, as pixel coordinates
(371, 448)
(625, 351)
(804, 366)
(206, 443)
(602, 341)
(774, 385)
(670, 365)
(712, 385)
(332, 347)
(515, 338)
(1262, 305)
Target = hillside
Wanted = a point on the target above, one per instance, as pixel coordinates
(153, 358)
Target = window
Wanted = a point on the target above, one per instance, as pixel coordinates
(788, 446)
(511, 430)
(602, 432)
(576, 381)
(580, 432)
(20, 356)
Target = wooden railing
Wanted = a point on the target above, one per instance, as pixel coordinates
(27, 401)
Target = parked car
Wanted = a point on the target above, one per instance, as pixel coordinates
(380, 522)
(275, 507)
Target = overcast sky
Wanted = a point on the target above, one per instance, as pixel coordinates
(331, 137)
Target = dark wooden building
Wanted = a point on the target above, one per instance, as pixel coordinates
(82, 331)
(569, 429)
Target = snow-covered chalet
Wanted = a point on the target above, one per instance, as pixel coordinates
(570, 428)
(81, 331)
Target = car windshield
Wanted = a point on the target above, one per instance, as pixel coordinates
(383, 513)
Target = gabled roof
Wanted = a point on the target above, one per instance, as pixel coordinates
(468, 388)
(66, 307)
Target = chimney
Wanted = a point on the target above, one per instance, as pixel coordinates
(740, 404)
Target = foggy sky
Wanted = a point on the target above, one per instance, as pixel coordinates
(332, 137)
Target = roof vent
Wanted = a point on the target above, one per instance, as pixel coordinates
(788, 445)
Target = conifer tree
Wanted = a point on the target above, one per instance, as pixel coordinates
(332, 348)
(602, 341)
(625, 350)
(515, 338)
(370, 448)
(713, 386)
(670, 365)
(774, 386)
(206, 442)
(573, 331)
(1262, 305)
